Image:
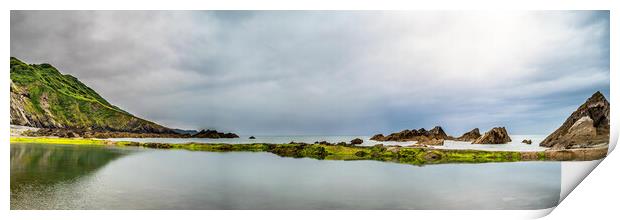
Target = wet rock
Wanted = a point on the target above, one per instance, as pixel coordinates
(361, 154)
(497, 135)
(357, 141)
(470, 136)
(526, 141)
(252, 137)
(586, 127)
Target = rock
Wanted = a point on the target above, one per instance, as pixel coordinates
(213, 134)
(470, 136)
(586, 127)
(377, 137)
(357, 141)
(430, 141)
(252, 137)
(526, 141)
(413, 135)
(497, 135)
(437, 133)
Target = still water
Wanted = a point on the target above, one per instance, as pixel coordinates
(90, 177)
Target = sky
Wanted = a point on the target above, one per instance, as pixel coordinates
(329, 72)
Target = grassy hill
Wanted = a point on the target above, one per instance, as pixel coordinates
(43, 97)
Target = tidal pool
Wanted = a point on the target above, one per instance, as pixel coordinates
(45, 176)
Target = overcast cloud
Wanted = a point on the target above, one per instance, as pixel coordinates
(329, 72)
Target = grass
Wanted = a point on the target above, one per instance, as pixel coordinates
(50, 96)
(406, 155)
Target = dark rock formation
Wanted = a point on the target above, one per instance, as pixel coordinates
(252, 137)
(470, 136)
(377, 137)
(527, 141)
(497, 135)
(586, 127)
(413, 135)
(357, 141)
(213, 134)
(430, 141)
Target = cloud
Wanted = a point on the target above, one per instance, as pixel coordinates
(329, 72)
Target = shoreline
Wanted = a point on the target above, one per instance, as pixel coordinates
(406, 155)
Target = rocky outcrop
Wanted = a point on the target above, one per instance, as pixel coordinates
(526, 141)
(588, 126)
(213, 134)
(356, 141)
(497, 135)
(413, 135)
(469, 136)
(430, 141)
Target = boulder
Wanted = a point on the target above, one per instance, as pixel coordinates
(252, 137)
(526, 141)
(470, 136)
(357, 141)
(497, 135)
(588, 126)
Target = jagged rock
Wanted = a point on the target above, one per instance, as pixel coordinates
(470, 136)
(357, 141)
(497, 135)
(413, 135)
(586, 127)
(252, 137)
(527, 141)
(437, 133)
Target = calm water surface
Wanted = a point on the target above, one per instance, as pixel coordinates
(88, 177)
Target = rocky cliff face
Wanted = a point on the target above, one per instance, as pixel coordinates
(497, 135)
(586, 127)
(470, 136)
(413, 135)
(43, 97)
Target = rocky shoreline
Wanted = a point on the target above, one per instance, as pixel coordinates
(407, 155)
(588, 126)
(100, 133)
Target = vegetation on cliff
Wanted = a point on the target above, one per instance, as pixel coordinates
(43, 97)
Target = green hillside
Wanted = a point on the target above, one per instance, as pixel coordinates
(41, 96)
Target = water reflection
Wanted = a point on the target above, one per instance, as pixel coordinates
(37, 168)
(81, 177)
